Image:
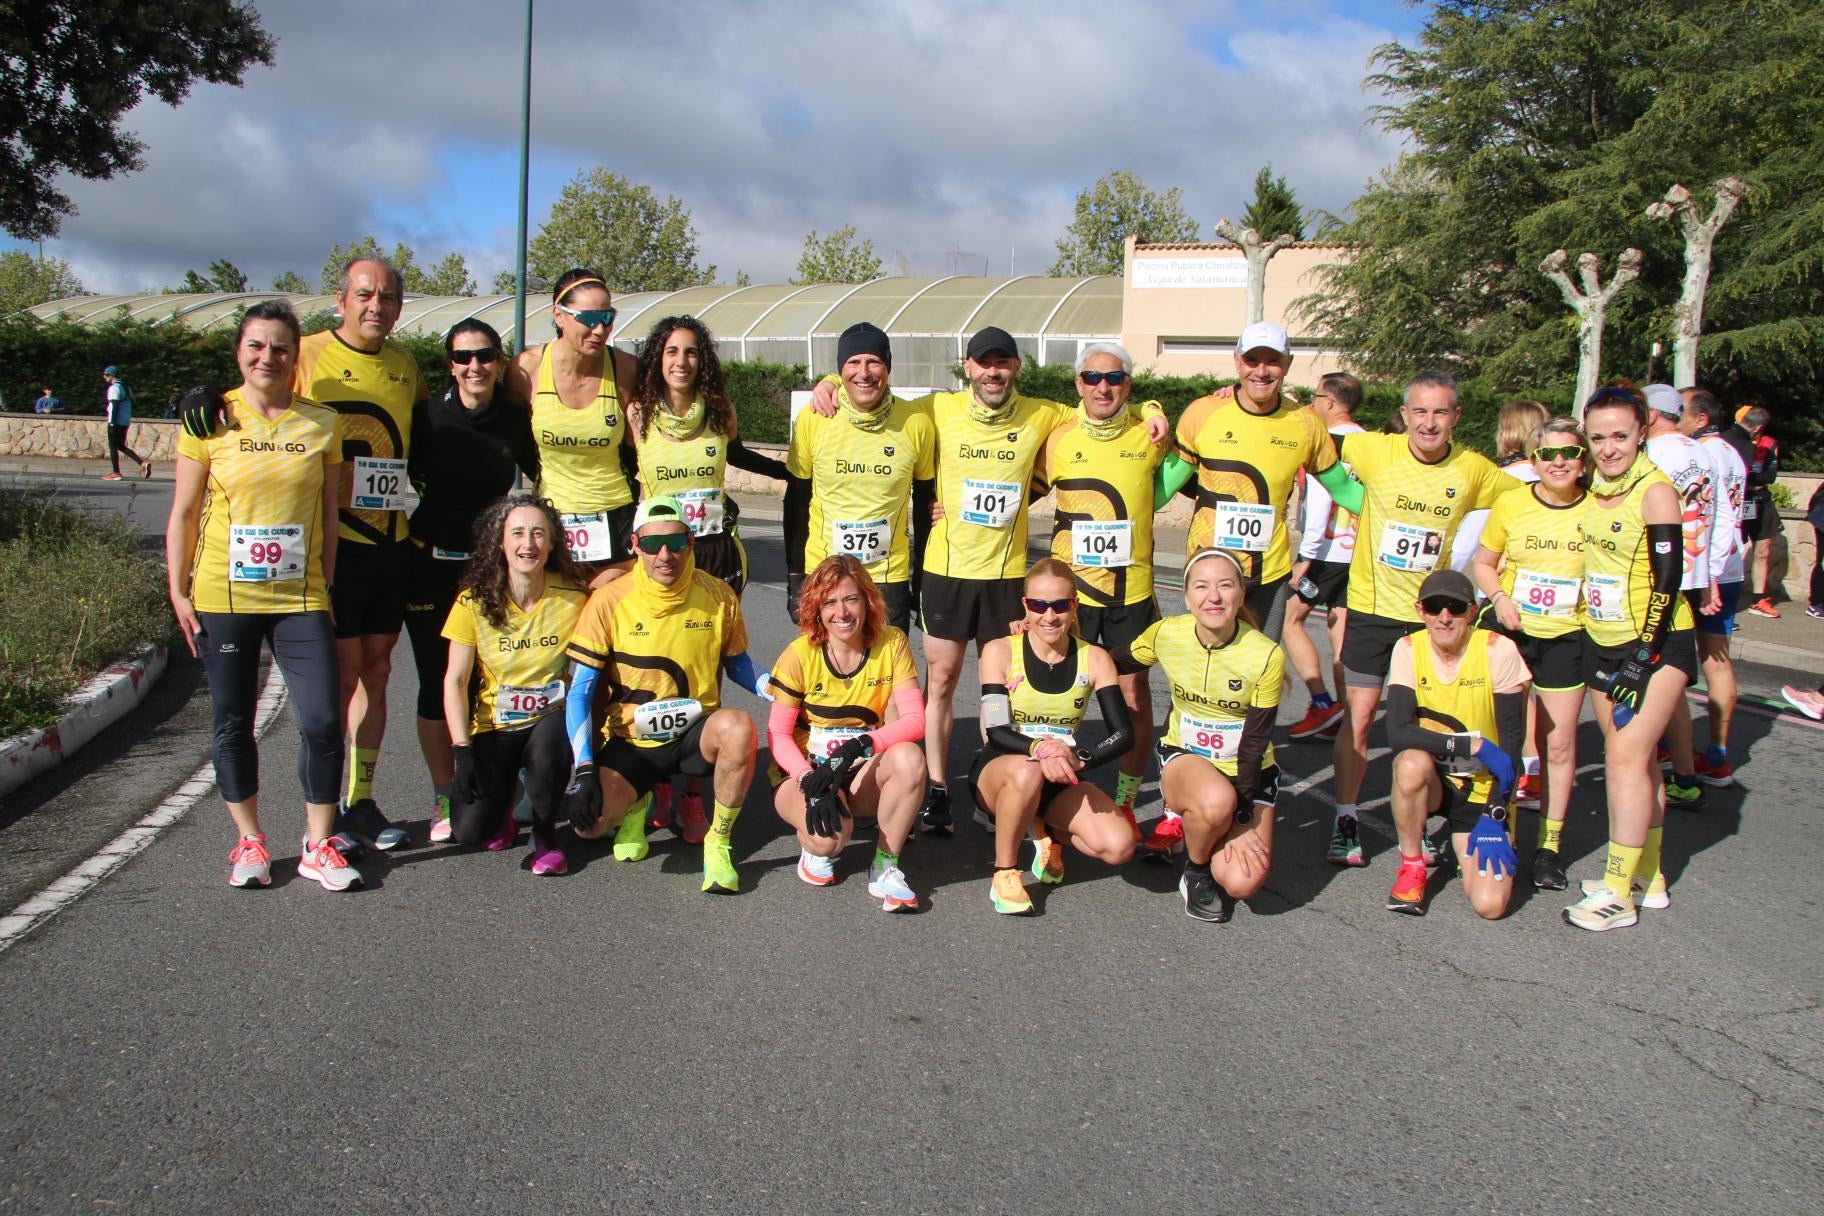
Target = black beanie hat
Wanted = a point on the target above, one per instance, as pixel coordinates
(864, 338)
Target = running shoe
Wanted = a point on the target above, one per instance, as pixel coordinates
(504, 837)
(1764, 607)
(815, 870)
(887, 883)
(1317, 721)
(1408, 893)
(363, 821)
(549, 862)
(1167, 836)
(325, 863)
(1685, 794)
(983, 819)
(630, 838)
(110, 476)
(1717, 772)
(1656, 895)
(1526, 792)
(1548, 871)
(1009, 894)
(1346, 843)
(441, 829)
(659, 818)
(1807, 701)
(1815, 610)
(1048, 861)
(693, 824)
(1599, 911)
(719, 868)
(251, 863)
(1204, 898)
(1437, 850)
(934, 817)
(145, 469)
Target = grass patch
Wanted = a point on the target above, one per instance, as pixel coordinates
(76, 594)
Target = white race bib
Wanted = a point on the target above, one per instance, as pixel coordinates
(702, 511)
(1103, 544)
(1539, 594)
(992, 504)
(825, 740)
(448, 555)
(1605, 597)
(1049, 730)
(866, 540)
(516, 703)
(273, 554)
(1751, 510)
(663, 721)
(1211, 739)
(1410, 547)
(1247, 526)
(589, 537)
(379, 484)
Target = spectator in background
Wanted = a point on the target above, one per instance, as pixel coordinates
(1814, 515)
(48, 402)
(120, 418)
(1760, 519)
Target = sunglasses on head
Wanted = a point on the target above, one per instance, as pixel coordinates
(589, 318)
(677, 542)
(1436, 604)
(1115, 379)
(1040, 607)
(1569, 451)
(483, 355)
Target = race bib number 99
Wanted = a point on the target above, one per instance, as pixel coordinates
(272, 554)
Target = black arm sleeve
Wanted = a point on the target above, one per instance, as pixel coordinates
(1256, 733)
(924, 494)
(421, 444)
(797, 522)
(1120, 737)
(1510, 723)
(750, 461)
(1404, 731)
(1666, 553)
(630, 461)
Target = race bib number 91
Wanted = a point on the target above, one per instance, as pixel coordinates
(1410, 547)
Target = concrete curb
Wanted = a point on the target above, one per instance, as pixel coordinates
(1750, 650)
(96, 706)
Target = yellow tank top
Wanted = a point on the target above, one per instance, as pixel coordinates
(580, 450)
(691, 471)
(1047, 715)
(1466, 701)
(1618, 570)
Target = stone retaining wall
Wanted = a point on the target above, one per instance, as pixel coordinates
(83, 436)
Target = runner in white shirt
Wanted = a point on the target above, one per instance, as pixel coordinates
(1320, 576)
(1703, 420)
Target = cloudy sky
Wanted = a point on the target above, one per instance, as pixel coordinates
(931, 125)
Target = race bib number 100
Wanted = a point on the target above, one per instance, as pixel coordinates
(1247, 526)
(271, 554)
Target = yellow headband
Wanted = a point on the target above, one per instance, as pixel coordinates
(580, 283)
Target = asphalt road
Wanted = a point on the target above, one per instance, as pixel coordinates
(457, 1035)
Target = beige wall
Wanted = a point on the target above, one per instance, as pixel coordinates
(1179, 294)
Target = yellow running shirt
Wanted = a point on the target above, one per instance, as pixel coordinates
(259, 546)
(580, 450)
(833, 706)
(661, 649)
(1104, 528)
(1542, 546)
(1410, 512)
(689, 470)
(983, 471)
(861, 483)
(1618, 570)
(1213, 689)
(1247, 464)
(1047, 715)
(522, 665)
(374, 394)
(1451, 701)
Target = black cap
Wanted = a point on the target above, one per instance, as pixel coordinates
(864, 338)
(990, 340)
(1453, 583)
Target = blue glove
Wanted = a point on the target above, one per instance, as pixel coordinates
(1498, 765)
(1490, 848)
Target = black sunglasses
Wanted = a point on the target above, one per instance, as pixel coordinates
(1117, 379)
(484, 356)
(1436, 604)
(1039, 607)
(677, 542)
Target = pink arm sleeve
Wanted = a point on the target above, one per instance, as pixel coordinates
(781, 720)
(909, 726)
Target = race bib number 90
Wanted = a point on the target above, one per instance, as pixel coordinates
(663, 721)
(588, 537)
(379, 484)
(272, 554)
(992, 504)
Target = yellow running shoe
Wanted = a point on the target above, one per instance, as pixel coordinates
(630, 840)
(719, 868)
(1048, 860)
(1009, 894)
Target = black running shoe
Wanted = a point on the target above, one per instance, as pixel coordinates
(1548, 871)
(934, 817)
(1204, 898)
(363, 822)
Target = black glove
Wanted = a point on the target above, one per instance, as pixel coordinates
(1629, 687)
(202, 409)
(794, 585)
(853, 751)
(823, 814)
(583, 798)
(816, 782)
(468, 787)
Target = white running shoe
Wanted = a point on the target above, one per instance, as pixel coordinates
(1602, 911)
(818, 871)
(325, 864)
(252, 864)
(1655, 896)
(441, 828)
(887, 883)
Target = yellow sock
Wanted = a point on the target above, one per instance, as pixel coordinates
(1127, 789)
(1551, 833)
(722, 822)
(1618, 876)
(1648, 869)
(362, 761)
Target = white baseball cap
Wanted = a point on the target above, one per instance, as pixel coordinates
(1665, 399)
(1263, 333)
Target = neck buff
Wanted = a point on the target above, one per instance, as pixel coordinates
(988, 417)
(862, 420)
(656, 600)
(1105, 428)
(680, 427)
(1614, 487)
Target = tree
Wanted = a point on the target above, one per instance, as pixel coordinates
(506, 283)
(25, 281)
(639, 243)
(412, 278)
(449, 277)
(1116, 207)
(1274, 210)
(292, 282)
(223, 276)
(73, 70)
(836, 258)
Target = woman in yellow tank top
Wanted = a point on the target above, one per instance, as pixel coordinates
(1036, 689)
(1640, 652)
(573, 387)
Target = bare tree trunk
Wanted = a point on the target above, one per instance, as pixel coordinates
(1592, 308)
(1258, 254)
(1700, 244)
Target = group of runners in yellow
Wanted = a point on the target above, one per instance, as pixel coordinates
(571, 580)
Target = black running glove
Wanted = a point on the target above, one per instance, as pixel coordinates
(583, 798)
(202, 409)
(823, 814)
(468, 786)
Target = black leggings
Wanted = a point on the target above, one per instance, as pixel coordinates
(304, 646)
(1817, 567)
(543, 750)
(430, 594)
(117, 443)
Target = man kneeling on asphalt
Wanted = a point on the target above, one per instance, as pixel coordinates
(662, 636)
(1456, 715)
